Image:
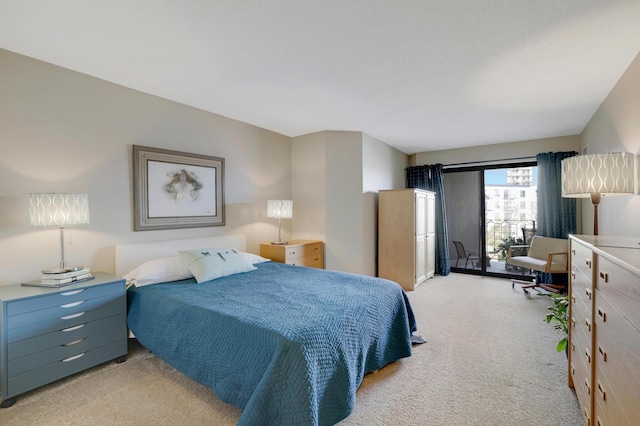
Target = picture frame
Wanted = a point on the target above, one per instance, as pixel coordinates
(173, 189)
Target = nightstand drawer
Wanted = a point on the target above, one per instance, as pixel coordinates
(313, 261)
(65, 336)
(108, 307)
(65, 297)
(40, 376)
(59, 352)
(57, 313)
(303, 250)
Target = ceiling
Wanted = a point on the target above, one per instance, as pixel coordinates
(420, 75)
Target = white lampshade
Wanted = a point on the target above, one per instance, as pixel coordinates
(58, 209)
(606, 174)
(597, 175)
(280, 209)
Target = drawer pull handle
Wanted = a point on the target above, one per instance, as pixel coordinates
(588, 355)
(573, 252)
(602, 314)
(75, 342)
(71, 358)
(573, 275)
(79, 314)
(75, 327)
(604, 276)
(588, 263)
(73, 304)
(588, 324)
(588, 386)
(573, 322)
(573, 370)
(603, 353)
(602, 392)
(71, 293)
(588, 293)
(573, 299)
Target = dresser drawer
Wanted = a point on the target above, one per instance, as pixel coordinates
(581, 375)
(304, 250)
(65, 336)
(108, 306)
(59, 352)
(581, 321)
(617, 357)
(607, 409)
(621, 288)
(582, 260)
(70, 296)
(40, 376)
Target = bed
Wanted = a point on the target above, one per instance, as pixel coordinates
(288, 345)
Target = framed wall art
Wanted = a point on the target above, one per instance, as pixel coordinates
(173, 189)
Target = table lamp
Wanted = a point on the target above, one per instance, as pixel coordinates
(280, 209)
(58, 209)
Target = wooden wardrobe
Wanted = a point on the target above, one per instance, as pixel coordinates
(406, 236)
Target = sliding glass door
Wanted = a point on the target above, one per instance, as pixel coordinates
(489, 208)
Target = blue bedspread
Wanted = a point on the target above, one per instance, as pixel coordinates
(288, 345)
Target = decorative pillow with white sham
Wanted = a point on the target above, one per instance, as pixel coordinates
(211, 263)
(159, 270)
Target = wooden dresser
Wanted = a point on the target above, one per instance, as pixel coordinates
(604, 332)
(296, 252)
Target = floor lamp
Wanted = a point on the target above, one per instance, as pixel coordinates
(597, 175)
(280, 209)
(61, 210)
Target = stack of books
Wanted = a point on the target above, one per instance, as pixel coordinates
(62, 278)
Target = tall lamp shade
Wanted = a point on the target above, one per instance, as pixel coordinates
(597, 175)
(59, 210)
(280, 209)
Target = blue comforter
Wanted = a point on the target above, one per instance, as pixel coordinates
(288, 345)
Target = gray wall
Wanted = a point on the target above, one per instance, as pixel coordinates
(63, 131)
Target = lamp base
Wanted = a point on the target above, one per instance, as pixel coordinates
(279, 243)
(58, 270)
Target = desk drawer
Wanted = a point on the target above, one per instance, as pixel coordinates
(40, 376)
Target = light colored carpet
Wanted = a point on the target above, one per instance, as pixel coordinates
(490, 359)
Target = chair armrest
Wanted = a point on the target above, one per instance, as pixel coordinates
(519, 247)
(550, 259)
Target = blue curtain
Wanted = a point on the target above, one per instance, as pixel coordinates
(556, 215)
(430, 178)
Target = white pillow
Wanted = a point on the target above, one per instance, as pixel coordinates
(211, 263)
(254, 258)
(159, 270)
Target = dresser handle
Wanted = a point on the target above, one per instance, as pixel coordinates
(79, 314)
(75, 327)
(602, 392)
(586, 353)
(602, 314)
(71, 293)
(73, 304)
(573, 299)
(604, 276)
(71, 358)
(573, 252)
(573, 322)
(588, 263)
(588, 293)
(573, 370)
(588, 324)
(573, 275)
(588, 386)
(603, 353)
(75, 342)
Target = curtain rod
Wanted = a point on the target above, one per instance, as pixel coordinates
(503, 160)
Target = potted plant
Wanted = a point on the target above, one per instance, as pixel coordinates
(559, 316)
